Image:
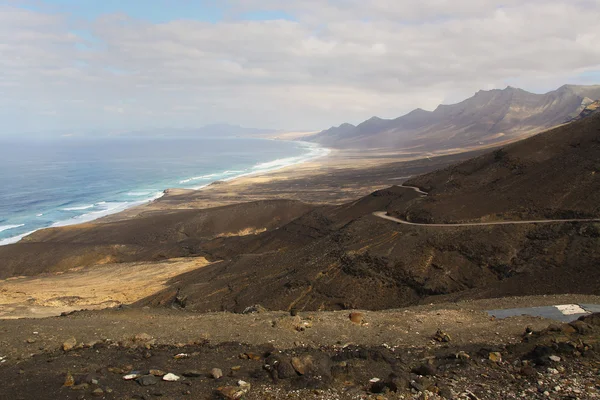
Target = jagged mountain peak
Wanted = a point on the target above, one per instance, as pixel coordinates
(486, 118)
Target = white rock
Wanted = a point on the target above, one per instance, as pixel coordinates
(171, 377)
(131, 376)
(244, 388)
(374, 380)
(216, 373)
(554, 358)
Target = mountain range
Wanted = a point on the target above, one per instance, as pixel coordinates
(488, 118)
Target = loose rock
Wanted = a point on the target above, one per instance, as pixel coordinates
(216, 373)
(302, 364)
(157, 372)
(441, 336)
(171, 377)
(356, 317)
(69, 344)
(495, 357)
(147, 380)
(69, 380)
(285, 369)
(234, 393)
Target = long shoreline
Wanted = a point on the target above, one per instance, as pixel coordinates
(321, 152)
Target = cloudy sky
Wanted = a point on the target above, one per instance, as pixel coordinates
(293, 64)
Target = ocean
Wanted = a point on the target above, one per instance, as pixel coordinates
(59, 182)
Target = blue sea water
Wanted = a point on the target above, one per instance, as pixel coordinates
(68, 181)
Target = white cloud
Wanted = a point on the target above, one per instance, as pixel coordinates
(336, 61)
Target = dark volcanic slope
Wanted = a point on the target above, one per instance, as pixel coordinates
(147, 238)
(552, 175)
(344, 257)
(488, 117)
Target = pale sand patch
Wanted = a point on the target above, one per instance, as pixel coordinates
(244, 232)
(91, 288)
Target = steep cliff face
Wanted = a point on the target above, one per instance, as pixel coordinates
(489, 117)
(592, 108)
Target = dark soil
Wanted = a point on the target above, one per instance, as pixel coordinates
(440, 370)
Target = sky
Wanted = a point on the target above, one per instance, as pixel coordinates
(118, 65)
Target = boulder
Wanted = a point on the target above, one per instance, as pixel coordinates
(69, 344)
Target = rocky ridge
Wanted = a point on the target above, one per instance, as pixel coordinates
(488, 118)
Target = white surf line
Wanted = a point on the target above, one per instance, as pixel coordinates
(383, 214)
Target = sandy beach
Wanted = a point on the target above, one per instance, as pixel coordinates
(338, 177)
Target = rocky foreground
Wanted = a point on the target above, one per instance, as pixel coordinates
(419, 353)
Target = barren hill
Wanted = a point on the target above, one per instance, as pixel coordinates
(552, 175)
(344, 257)
(487, 118)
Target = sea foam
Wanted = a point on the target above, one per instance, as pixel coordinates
(7, 227)
(79, 208)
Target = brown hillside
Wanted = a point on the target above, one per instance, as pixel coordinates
(552, 175)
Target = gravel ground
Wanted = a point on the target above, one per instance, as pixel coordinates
(426, 352)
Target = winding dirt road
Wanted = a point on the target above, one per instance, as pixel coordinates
(383, 214)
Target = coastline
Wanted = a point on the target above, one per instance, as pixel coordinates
(339, 172)
(314, 152)
(338, 177)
